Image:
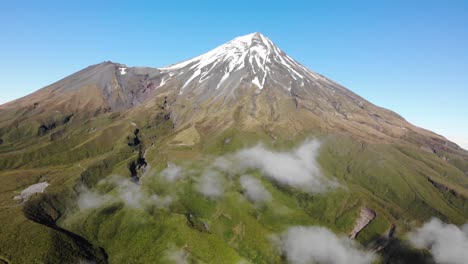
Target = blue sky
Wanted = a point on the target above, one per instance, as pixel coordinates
(408, 56)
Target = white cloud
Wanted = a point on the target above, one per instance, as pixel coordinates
(303, 245)
(297, 168)
(126, 191)
(161, 202)
(447, 243)
(172, 173)
(88, 199)
(254, 190)
(211, 184)
(130, 193)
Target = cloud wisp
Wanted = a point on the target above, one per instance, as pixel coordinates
(172, 173)
(211, 184)
(125, 191)
(448, 243)
(303, 245)
(177, 256)
(254, 190)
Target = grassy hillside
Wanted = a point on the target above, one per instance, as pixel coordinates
(404, 185)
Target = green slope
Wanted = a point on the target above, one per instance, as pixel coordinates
(391, 179)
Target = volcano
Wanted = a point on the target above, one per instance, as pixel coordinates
(146, 124)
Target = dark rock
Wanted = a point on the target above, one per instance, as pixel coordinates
(67, 118)
(134, 141)
(132, 167)
(136, 165)
(195, 223)
(43, 129)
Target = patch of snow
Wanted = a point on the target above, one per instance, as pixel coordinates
(257, 83)
(195, 75)
(32, 189)
(163, 81)
(225, 76)
(123, 70)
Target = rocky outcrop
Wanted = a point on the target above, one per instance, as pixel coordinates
(134, 140)
(50, 125)
(443, 188)
(45, 128)
(365, 218)
(196, 223)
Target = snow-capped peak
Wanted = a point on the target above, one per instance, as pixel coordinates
(254, 54)
(237, 47)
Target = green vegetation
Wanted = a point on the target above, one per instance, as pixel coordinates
(50, 228)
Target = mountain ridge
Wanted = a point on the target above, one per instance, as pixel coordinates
(248, 75)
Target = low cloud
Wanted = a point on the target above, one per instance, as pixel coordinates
(297, 168)
(177, 256)
(254, 190)
(88, 199)
(303, 245)
(211, 184)
(125, 191)
(447, 243)
(172, 173)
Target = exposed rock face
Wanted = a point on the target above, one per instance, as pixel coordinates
(134, 140)
(365, 218)
(30, 190)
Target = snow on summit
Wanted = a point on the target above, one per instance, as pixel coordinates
(251, 58)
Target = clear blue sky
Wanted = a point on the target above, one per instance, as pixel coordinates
(408, 56)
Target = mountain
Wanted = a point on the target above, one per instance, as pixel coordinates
(248, 78)
(104, 86)
(143, 123)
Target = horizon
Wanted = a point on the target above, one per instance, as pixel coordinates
(417, 65)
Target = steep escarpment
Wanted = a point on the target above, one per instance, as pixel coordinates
(366, 216)
(68, 246)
